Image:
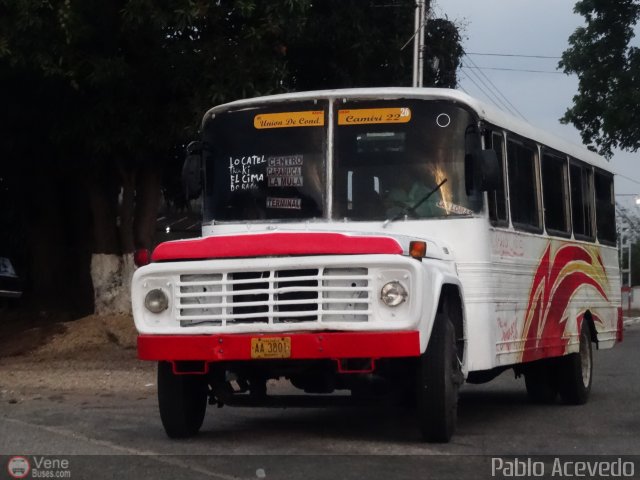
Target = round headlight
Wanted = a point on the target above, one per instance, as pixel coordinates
(156, 301)
(393, 294)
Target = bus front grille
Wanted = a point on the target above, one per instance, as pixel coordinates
(274, 297)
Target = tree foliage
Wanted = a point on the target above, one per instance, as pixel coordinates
(350, 43)
(606, 108)
(100, 97)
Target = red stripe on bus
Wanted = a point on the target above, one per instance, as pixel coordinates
(273, 244)
(620, 334)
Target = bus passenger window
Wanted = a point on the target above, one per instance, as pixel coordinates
(555, 194)
(523, 186)
(605, 208)
(497, 199)
(582, 200)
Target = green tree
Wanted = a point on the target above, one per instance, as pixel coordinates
(606, 108)
(101, 97)
(350, 43)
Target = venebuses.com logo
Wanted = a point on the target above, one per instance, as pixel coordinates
(18, 467)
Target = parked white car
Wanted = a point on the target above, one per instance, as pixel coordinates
(10, 283)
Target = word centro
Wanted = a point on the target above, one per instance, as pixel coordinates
(561, 468)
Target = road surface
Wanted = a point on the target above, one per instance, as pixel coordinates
(106, 435)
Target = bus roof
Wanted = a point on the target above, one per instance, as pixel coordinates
(484, 111)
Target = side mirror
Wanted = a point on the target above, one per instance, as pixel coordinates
(482, 171)
(192, 171)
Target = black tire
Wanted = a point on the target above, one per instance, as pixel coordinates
(439, 377)
(182, 400)
(541, 381)
(576, 371)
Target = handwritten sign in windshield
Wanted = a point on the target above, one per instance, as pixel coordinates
(368, 116)
(246, 172)
(311, 118)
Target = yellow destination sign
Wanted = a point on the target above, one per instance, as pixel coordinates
(365, 116)
(311, 118)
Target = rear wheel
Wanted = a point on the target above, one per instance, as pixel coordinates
(182, 400)
(439, 377)
(541, 381)
(576, 371)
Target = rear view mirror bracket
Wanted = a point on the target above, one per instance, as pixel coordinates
(192, 171)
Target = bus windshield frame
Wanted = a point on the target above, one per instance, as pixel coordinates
(270, 162)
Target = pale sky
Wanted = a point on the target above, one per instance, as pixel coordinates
(527, 27)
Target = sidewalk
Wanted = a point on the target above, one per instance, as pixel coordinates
(631, 320)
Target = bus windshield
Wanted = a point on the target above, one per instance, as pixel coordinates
(268, 162)
(391, 154)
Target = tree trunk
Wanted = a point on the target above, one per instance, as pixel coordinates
(110, 292)
(124, 211)
(44, 235)
(111, 275)
(127, 206)
(148, 185)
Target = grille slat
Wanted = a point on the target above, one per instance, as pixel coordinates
(279, 302)
(270, 291)
(274, 296)
(283, 315)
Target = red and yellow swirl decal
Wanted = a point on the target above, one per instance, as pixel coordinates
(556, 280)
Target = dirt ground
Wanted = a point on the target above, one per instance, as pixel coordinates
(90, 356)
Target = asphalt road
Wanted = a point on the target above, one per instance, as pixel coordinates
(121, 437)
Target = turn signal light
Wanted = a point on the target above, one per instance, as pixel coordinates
(142, 257)
(418, 249)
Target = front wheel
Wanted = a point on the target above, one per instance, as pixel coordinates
(576, 371)
(439, 377)
(182, 400)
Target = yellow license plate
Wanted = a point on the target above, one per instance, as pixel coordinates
(271, 347)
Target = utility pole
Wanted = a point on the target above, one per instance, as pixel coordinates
(418, 42)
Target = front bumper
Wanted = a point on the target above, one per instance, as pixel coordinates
(304, 346)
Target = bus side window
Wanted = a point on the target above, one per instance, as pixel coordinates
(497, 198)
(581, 177)
(555, 194)
(605, 208)
(523, 186)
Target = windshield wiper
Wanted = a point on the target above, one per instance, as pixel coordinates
(407, 211)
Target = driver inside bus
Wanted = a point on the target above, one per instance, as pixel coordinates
(410, 189)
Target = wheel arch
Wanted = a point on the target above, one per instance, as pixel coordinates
(451, 302)
(588, 317)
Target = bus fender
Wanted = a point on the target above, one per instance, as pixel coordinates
(444, 286)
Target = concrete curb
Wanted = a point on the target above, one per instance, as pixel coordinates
(631, 321)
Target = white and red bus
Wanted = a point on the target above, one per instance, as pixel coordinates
(389, 240)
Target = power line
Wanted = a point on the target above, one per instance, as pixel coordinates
(462, 88)
(488, 91)
(511, 108)
(513, 55)
(518, 70)
(478, 87)
(490, 96)
(628, 178)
